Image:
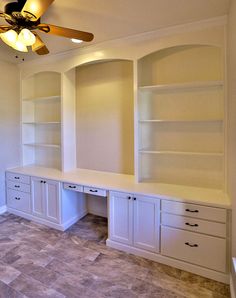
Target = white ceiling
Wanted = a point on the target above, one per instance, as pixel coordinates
(112, 19)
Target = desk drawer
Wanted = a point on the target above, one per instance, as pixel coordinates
(18, 200)
(206, 251)
(194, 225)
(73, 187)
(95, 191)
(193, 210)
(18, 178)
(18, 186)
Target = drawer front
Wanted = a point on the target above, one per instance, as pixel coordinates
(73, 187)
(18, 200)
(196, 211)
(18, 186)
(95, 191)
(206, 251)
(194, 224)
(18, 178)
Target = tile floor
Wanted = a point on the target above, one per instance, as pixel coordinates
(37, 261)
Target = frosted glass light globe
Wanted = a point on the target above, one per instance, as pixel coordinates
(26, 37)
(19, 46)
(9, 37)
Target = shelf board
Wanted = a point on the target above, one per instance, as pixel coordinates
(179, 86)
(190, 153)
(174, 121)
(42, 123)
(42, 145)
(45, 98)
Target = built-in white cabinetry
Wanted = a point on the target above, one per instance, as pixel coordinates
(181, 117)
(134, 220)
(46, 199)
(195, 234)
(18, 192)
(41, 119)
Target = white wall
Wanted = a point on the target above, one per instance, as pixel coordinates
(9, 121)
(232, 117)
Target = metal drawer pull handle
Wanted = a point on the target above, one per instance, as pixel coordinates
(191, 245)
(70, 186)
(91, 190)
(193, 211)
(17, 177)
(17, 186)
(17, 198)
(191, 225)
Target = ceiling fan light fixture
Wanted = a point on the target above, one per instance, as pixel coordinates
(76, 40)
(26, 37)
(10, 37)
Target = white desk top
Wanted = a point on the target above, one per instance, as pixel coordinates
(126, 183)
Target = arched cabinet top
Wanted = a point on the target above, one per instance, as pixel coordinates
(181, 64)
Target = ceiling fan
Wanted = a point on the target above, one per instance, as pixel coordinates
(23, 18)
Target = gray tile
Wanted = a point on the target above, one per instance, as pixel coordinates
(8, 292)
(7, 273)
(33, 289)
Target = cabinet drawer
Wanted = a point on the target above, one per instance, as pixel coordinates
(194, 224)
(18, 178)
(95, 191)
(18, 186)
(196, 211)
(73, 187)
(18, 200)
(206, 251)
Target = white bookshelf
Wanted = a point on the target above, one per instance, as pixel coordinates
(181, 117)
(41, 120)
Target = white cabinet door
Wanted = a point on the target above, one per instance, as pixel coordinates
(38, 197)
(146, 223)
(121, 217)
(52, 200)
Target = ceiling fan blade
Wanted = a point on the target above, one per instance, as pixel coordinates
(34, 9)
(5, 15)
(42, 51)
(66, 32)
(4, 28)
(38, 43)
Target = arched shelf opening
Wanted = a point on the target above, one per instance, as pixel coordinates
(104, 116)
(181, 111)
(41, 119)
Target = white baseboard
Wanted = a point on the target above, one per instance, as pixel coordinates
(232, 289)
(57, 226)
(218, 276)
(3, 209)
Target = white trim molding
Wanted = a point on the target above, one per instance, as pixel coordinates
(233, 279)
(3, 209)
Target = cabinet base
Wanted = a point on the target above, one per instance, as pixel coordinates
(218, 276)
(3, 209)
(60, 227)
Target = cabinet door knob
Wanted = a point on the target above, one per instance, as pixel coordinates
(191, 245)
(134, 199)
(44, 182)
(41, 181)
(192, 211)
(129, 198)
